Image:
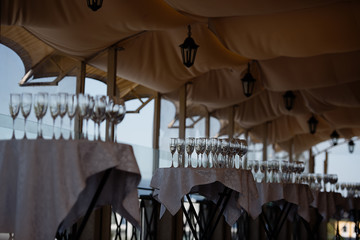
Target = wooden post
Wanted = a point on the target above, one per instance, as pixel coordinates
(291, 149)
(231, 121)
(80, 88)
(265, 141)
(207, 125)
(311, 162)
(326, 162)
(156, 131)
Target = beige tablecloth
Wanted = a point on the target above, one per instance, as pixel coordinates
(172, 184)
(42, 180)
(297, 194)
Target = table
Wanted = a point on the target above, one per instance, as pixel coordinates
(237, 186)
(47, 182)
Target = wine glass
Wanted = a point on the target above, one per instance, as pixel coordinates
(54, 109)
(284, 166)
(172, 150)
(199, 149)
(40, 108)
(207, 151)
(72, 102)
(256, 167)
(88, 115)
(232, 152)
(180, 148)
(120, 110)
(63, 108)
(189, 147)
(214, 147)
(333, 178)
(26, 102)
(243, 148)
(83, 109)
(98, 115)
(263, 168)
(225, 147)
(14, 107)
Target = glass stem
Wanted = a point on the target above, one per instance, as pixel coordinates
(53, 130)
(99, 136)
(61, 125)
(115, 133)
(13, 131)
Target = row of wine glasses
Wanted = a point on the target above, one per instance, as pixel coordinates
(219, 152)
(274, 171)
(320, 182)
(97, 108)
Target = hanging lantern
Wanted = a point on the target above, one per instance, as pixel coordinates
(94, 4)
(351, 146)
(289, 98)
(313, 122)
(334, 137)
(248, 83)
(188, 50)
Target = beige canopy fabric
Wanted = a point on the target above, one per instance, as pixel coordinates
(309, 47)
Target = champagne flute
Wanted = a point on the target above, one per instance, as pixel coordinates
(180, 148)
(14, 107)
(82, 109)
(72, 103)
(63, 108)
(172, 150)
(207, 151)
(88, 115)
(54, 109)
(99, 113)
(189, 147)
(26, 102)
(40, 108)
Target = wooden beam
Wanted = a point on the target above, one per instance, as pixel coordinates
(80, 88)
(265, 141)
(311, 161)
(231, 121)
(207, 125)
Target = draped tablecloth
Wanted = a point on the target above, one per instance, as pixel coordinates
(172, 184)
(298, 194)
(45, 182)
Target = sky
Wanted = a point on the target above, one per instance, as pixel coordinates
(137, 129)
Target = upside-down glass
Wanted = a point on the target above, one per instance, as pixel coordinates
(26, 102)
(214, 147)
(63, 108)
(14, 107)
(40, 108)
(54, 109)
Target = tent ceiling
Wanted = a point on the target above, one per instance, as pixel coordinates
(309, 47)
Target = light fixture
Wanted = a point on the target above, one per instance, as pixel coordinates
(248, 82)
(94, 4)
(188, 50)
(351, 146)
(289, 98)
(334, 137)
(313, 122)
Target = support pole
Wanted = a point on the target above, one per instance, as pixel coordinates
(231, 121)
(207, 125)
(326, 162)
(265, 141)
(182, 111)
(156, 131)
(291, 149)
(80, 88)
(311, 161)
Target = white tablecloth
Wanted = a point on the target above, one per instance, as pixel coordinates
(42, 180)
(172, 184)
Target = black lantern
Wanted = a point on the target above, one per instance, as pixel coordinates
(248, 83)
(289, 100)
(94, 4)
(334, 137)
(313, 122)
(351, 146)
(188, 50)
